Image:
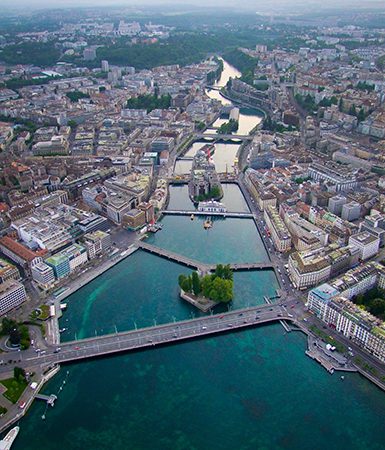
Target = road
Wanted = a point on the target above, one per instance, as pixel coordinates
(148, 337)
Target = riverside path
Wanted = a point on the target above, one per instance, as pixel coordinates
(157, 335)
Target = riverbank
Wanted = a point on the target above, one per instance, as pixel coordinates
(53, 335)
(15, 413)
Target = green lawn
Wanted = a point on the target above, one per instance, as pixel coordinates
(14, 389)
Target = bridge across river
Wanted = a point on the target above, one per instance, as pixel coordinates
(224, 137)
(172, 212)
(161, 334)
(197, 265)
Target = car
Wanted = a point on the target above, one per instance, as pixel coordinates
(22, 405)
(229, 324)
(149, 340)
(240, 314)
(204, 328)
(221, 317)
(245, 321)
(77, 348)
(271, 309)
(279, 315)
(256, 317)
(304, 319)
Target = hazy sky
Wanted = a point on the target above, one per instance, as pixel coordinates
(254, 4)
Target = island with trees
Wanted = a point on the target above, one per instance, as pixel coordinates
(228, 127)
(206, 291)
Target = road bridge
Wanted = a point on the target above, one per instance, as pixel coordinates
(224, 137)
(160, 335)
(203, 213)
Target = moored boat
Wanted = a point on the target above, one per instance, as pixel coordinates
(6, 443)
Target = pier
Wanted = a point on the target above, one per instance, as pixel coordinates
(197, 265)
(49, 399)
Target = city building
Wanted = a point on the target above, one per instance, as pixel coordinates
(367, 244)
(8, 271)
(76, 254)
(336, 203)
(351, 211)
(339, 176)
(278, 231)
(12, 295)
(43, 274)
(97, 243)
(134, 219)
(60, 265)
(375, 225)
(18, 253)
(340, 314)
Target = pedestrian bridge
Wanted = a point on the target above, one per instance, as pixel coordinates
(197, 265)
(163, 334)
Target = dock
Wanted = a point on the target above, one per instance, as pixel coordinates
(49, 399)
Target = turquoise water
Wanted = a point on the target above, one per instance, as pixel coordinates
(223, 157)
(248, 390)
(232, 198)
(142, 289)
(228, 241)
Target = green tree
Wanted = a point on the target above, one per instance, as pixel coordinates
(206, 283)
(73, 124)
(352, 110)
(196, 284)
(19, 374)
(7, 325)
(361, 115)
(15, 336)
(341, 105)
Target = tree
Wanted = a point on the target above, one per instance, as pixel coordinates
(341, 105)
(185, 283)
(196, 283)
(15, 336)
(72, 123)
(361, 115)
(206, 285)
(352, 110)
(19, 374)
(7, 325)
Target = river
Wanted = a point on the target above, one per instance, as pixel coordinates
(246, 390)
(225, 153)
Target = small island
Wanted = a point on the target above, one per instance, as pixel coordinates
(228, 127)
(206, 291)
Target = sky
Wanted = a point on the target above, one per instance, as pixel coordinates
(252, 4)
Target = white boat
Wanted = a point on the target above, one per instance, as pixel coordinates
(6, 443)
